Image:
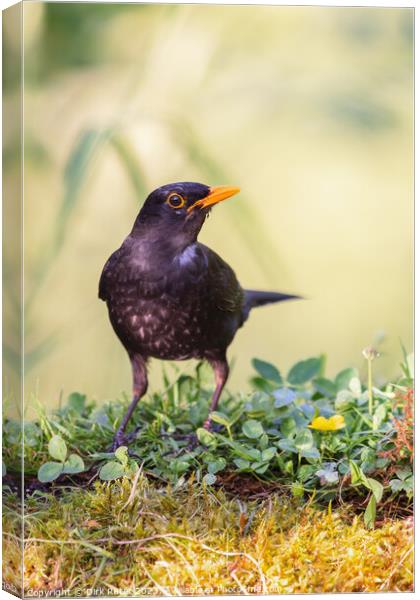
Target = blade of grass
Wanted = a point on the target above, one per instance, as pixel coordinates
(75, 174)
(130, 162)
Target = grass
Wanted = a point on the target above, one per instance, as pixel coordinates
(306, 486)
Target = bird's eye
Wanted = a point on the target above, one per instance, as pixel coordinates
(175, 201)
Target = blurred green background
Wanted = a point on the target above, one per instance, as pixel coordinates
(308, 110)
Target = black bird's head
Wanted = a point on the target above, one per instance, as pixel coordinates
(177, 211)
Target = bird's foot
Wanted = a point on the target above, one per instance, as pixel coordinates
(213, 427)
(119, 440)
(192, 442)
(207, 424)
(122, 439)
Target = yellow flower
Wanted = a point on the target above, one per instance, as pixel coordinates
(332, 424)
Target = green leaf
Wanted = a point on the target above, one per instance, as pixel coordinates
(76, 401)
(326, 387)
(304, 440)
(370, 513)
(304, 370)
(344, 377)
(310, 453)
(357, 475)
(382, 462)
(404, 473)
(263, 441)
(256, 454)
(377, 489)
(111, 470)
(205, 437)
(305, 472)
(260, 404)
(32, 433)
(409, 487)
(396, 485)
(132, 466)
(268, 454)
(236, 415)
(244, 451)
(383, 395)
(101, 455)
(344, 399)
(57, 448)
(287, 445)
(283, 397)
(13, 431)
(259, 467)
(220, 418)
(209, 479)
(121, 454)
(74, 464)
(261, 384)
(288, 426)
(308, 410)
(379, 416)
(49, 471)
(252, 429)
(267, 370)
(3, 469)
(288, 467)
(179, 466)
(216, 465)
(355, 386)
(241, 463)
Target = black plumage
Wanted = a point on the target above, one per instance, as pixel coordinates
(171, 297)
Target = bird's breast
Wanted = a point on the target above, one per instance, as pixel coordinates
(180, 310)
(167, 328)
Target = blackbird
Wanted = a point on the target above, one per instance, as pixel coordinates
(171, 297)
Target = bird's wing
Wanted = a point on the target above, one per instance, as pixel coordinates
(224, 289)
(108, 275)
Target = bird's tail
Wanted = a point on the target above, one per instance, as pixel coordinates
(254, 298)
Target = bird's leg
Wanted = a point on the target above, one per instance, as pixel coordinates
(221, 373)
(138, 365)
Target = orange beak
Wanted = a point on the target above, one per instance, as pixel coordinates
(216, 195)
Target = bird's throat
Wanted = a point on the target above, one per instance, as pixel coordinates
(188, 255)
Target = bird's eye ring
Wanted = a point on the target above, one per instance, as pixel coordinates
(175, 200)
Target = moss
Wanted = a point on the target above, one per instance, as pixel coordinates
(210, 520)
(131, 537)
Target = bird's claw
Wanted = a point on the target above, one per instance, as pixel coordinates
(212, 427)
(118, 441)
(193, 442)
(122, 439)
